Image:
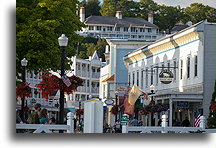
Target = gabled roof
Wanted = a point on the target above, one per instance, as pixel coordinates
(124, 22)
(179, 27)
(109, 79)
(95, 56)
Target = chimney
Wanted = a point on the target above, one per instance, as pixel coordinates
(82, 14)
(119, 14)
(107, 49)
(189, 23)
(150, 17)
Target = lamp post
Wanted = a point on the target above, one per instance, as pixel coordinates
(116, 103)
(152, 89)
(24, 64)
(63, 41)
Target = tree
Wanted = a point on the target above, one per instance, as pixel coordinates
(38, 26)
(128, 8)
(92, 7)
(197, 12)
(212, 114)
(109, 7)
(167, 17)
(147, 6)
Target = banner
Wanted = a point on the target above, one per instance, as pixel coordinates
(129, 109)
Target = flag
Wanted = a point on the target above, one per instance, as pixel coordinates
(66, 80)
(129, 109)
(134, 95)
(197, 116)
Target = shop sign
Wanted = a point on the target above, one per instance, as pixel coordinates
(122, 89)
(166, 76)
(109, 102)
(182, 104)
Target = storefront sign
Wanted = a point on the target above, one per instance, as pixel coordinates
(109, 102)
(182, 104)
(166, 76)
(122, 89)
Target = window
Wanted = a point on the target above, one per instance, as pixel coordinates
(91, 27)
(152, 78)
(137, 78)
(142, 75)
(117, 29)
(181, 69)
(149, 30)
(125, 29)
(195, 66)
(98, 27)
(188, 67)
(109, 28)
(157, 75)
(129, 79)
(133, 78)
(174, 71)
(133, 29)
(168, 65)
(146, 77)
(142, 30)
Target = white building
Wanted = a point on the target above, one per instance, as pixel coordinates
(192, 51)
(119, 27)
(34, 78)
(89, 71)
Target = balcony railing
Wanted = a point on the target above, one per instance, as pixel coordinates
(95, 90)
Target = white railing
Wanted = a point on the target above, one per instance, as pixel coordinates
(165, 129)
(39, 128)
(95, 90)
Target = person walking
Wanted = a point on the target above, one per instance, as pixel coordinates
(186, 122)
(118, 126)
(34, 117)
(43, 116)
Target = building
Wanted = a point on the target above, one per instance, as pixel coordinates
(119, 27)
(192, 52)
(89, 71)
(114, 75)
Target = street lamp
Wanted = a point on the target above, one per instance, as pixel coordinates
(24, 64)
(63, 41)
(116, 96)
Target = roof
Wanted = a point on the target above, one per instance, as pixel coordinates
(169, 36)
(179, 27)
(124, 22)
(112, 78)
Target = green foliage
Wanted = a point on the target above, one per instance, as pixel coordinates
(109, 7)
(92, 7)
(197, 12)
(212, 114)
(167, 17)
(38, 26)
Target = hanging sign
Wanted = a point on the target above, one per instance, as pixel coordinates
(166, 76)
(109, 102)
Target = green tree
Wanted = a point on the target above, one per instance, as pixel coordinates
(212, 114)
(197, 12)
(38, 26)
(167, 17)
(147, 6)
(128, 8)
(109, 7)
(92, 7)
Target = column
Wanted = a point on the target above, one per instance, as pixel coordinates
(170, 111)
(81, 70)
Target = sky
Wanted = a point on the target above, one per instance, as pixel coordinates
(183, 3)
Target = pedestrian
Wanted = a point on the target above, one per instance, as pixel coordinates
(34, 117)
(134, 122)
(186, 122)
(159, 122)
(18, 121)
(43, 116)
(118, 126)
(140, 123)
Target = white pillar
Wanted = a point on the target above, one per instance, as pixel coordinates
(70, 122)
(170, 112)
(164, 121)
(202, 122)
(93, 116)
